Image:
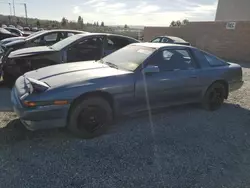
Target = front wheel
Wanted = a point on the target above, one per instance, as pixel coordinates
(214, 97)
(90, 117)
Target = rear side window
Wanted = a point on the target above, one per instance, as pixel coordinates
(156, 40)
(165, 40)
(170, 60)
(214, 61)
(51, 37)
(70, 34)
(115, 43)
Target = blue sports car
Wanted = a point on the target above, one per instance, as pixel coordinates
(86, 96)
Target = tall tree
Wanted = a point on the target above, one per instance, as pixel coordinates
(173, 24)
(80, 21)
(185, 22)
(38, 23)
(64, 22)
(102, 24)
(97, 23)
(178, 23)
(125, 26)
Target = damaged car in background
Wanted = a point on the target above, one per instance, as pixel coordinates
(42, 38)
(86, 96)
(11, 39)
(6, 34)
(80, 47)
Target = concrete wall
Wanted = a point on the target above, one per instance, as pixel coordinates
(213, 37)
(233, 10)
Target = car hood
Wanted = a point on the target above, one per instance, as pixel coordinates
(11, 39)
(72, 74)
(30, 51)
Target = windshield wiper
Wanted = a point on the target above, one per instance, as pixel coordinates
(111, 65)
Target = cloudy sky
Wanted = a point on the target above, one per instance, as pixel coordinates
(118, 12)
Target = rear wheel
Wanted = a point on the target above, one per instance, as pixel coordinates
(90, 118)
(214, 97)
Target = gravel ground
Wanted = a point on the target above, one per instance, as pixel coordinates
(183, 147)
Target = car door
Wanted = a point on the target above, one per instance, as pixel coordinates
(114, 43)
(89, 48)
(176, 81)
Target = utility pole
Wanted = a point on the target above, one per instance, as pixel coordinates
(10, 9)
(10, 12)
(26, 14)
(14, 11)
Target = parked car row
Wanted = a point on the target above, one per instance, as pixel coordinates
(13, 42)
(6, 34)
(82, 47)
(89, 79)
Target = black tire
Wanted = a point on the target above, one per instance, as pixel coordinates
(214, 97)
(94, 110)
(8, 79)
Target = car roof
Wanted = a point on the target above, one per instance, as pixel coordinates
(64, 30)
(12, 28)
(177, 39)
(108, 34)
(160, 45)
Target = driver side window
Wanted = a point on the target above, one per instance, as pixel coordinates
(51, 37)
(171, 60)
(87, 49)
(48, 39)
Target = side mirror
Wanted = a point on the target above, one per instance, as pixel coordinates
(151, 69)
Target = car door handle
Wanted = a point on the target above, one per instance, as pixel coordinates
(193, 77)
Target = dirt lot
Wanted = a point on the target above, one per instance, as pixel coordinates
(183, 147)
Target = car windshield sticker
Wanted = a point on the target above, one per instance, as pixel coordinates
(167, 55)
(132, 65)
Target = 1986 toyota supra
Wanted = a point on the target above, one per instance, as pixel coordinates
(85, 97)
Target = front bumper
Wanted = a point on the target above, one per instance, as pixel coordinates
(44, 117)
(233, 86)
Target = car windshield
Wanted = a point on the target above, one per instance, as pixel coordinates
(129, 57)
(63, 43)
